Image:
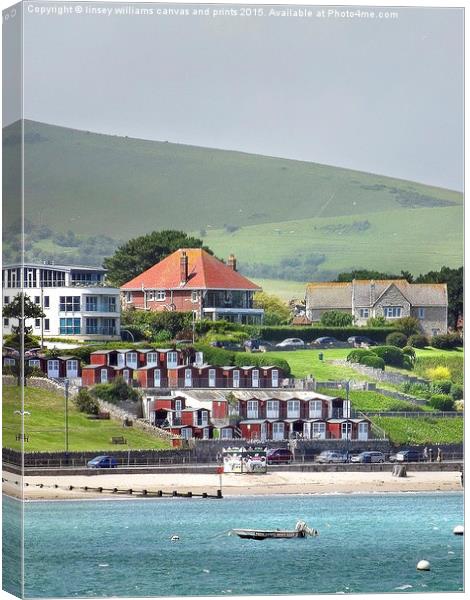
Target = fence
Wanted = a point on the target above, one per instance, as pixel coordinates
(422, 414)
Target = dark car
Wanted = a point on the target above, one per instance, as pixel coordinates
(102, 462)
(407, 456)
(279, 456)
(368, 457)
(326, 340)
(358, 340)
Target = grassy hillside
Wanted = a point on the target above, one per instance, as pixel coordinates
(45, 425)
(286, 220)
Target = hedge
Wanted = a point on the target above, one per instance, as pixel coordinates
(392, 355)
(358, 354)
(442, 402)
(223, 358)
(373, 361)
(397, 339)
(446, 341)
(441, 386)
(309, 333)
(418, 341)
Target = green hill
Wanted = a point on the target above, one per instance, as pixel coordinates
(270, 211)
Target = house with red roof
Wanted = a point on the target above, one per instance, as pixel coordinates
(191, 279)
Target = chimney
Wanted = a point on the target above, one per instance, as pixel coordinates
(232, 262)
(372, 292)
(183, 268)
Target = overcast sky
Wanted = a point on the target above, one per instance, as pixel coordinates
(383, 96)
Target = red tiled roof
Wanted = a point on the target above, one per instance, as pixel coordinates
(204, 272)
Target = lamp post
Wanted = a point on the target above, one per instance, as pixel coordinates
(66, 417)
(347, 420)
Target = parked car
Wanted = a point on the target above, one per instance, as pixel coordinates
(279, 456)
(331, 456)
(407, 456)
(357, 340)
(326, 340)
(265, 346)
(368, 457)
(102, 462)
(290, 342)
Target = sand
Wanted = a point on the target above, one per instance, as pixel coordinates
(280, 482)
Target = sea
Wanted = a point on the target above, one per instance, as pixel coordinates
(367, 543)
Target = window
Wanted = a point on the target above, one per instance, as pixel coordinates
(186, 433)
(35, 362)
(91, 303)
(293, 409)
(6, 322)
(37, 323)
(421, 313)
(278, 431)
(6, 300)
(178, 404)
(91, 326)
(194, 296)
(8, 362)
(392, 312)
(172, 360)
(315, 409)
(47, 324)
(150, 295)
(272, 409)
(252, 409)
(37, 300)
(69, 303)
(132, 360)
(128, 296)
(152, 358)
(364, 313)
(160, 295)
(112, 304)
(226, 433)
(46, 302)
(69, 326)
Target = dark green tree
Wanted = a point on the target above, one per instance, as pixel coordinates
(454, 280)
(336, 318)
(22, 308)
(139, 254)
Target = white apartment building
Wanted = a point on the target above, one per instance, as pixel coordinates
(75, 300)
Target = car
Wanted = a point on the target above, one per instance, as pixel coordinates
(290, 342)
(408, 456)
(368, 457)
(326, 340)
(102, 462)
(265, 346)
(279, 456)
(331, 456)
(358, 340)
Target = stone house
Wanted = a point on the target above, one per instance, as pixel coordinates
(389, 298)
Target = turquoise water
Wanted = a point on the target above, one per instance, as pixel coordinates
(367, 543)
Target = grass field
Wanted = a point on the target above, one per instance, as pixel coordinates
(374, 402)
(422, 430)
(45, 426)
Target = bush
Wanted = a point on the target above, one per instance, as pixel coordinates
(458, 405)
(442, 402)
(358, 354)
(373, 361)
(418, 340)
(407, 325)
(86, 403)
(391, 355)
(396, 339)
(456, 391)
(336, 318)
(446, 341)
(162, 336)
(116, 391)
(438, 373)
(407, 362)
(441, 386)
(416, 389)
(380, 321)
(409, 351)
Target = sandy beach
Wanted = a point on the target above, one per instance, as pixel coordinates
(233, 484)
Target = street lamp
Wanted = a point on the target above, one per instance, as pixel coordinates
(66, 417)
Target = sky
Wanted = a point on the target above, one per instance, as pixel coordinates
(378, 95)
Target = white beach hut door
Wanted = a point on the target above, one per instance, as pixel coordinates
(188, 378)
(236, 379)
(363, 431)
(275, 378)
(125, 375)
(72, 368)
(211, 377)
(306, 431)
(53, 368)
(156, 378)
(104, 375)
(255, 378)
(264, 431)
(121, 360)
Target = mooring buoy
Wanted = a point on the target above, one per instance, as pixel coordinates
(174, 538)
(458, 530)
(423, 565)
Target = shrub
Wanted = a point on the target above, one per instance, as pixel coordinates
(409, 351)
(116, 391)
(442, 402)
(407, 362)
(357, 354)
(86, 403)
(418, 340)
(438, 373)
(458, 405)
(373, 361)
(336, 318)
(407, 325)
(391, 355)
(380, 321)
(446, 341)
(162, 336)
(456, 391)
(416, 389)
(441, 386)
(396, 339)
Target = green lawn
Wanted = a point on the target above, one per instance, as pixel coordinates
(421, 430)
(45, 425)
(373, 401)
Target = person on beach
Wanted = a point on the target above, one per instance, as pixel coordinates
(439, 455)
(425, 454)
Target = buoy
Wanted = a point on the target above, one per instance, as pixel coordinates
(458, 530)
(175, 538)
(423, 565)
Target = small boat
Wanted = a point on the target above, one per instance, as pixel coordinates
(301, 530)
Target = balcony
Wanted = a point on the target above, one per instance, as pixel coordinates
(100, 330)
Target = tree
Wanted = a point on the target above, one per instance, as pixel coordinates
(407, 325)
(141, 253)
(276, 312)
(336, 318)
(368, 274)
(22, 308)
